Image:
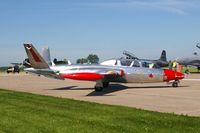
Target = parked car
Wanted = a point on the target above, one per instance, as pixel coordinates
(13, 69)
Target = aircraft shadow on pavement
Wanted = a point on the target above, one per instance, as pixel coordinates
(64, 88)
(112, 88)
(71, 88)
(118, 87)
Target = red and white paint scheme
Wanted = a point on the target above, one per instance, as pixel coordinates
(101, 74)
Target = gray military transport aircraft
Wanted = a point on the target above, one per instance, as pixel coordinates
(161, 62)
(192, 60)
(129, 57)
(101, 74)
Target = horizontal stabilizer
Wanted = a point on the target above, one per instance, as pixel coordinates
(45, 72)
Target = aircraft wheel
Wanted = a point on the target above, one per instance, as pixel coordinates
(98, 89)
(105, 84)
(175, 84)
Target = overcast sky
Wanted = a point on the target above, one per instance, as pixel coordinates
(76, 28)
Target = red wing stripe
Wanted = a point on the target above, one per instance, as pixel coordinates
(83, 76)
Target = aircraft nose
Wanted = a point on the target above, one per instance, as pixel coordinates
(172, 75)
(179, 75)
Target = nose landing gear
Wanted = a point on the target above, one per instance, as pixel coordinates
(175, 83)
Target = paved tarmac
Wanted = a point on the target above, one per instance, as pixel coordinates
(156, 97)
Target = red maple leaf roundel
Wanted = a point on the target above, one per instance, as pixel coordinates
(151, 75)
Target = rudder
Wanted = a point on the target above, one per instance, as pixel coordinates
(163, 56)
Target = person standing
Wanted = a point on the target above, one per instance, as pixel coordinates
(174, 65)
(170, 65)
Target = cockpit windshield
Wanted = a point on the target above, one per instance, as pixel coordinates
(149, 65)
(129, 62)
(136, 63)
(125, 62)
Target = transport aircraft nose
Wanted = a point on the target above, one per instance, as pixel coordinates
(172, 75)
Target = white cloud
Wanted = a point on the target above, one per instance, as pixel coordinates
(174, 6)
(181, 7)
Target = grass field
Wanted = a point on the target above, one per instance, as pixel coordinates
(23, 112)
(191, 70)
(3, 69)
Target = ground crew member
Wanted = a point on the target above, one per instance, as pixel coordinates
(170, 65)
(174, 64)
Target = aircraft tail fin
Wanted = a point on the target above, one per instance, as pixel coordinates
(35, 58)
(46, 54)
(163, 56)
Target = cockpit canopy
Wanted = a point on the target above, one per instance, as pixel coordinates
(129, 62)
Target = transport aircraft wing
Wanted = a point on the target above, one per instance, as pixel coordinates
(192, 60)
(161, 62)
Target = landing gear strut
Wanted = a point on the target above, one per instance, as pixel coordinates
(98, 89)
(105, 84)
(100, 85)
(175, 83)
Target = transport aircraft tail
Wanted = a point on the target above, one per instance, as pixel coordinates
(163, 56)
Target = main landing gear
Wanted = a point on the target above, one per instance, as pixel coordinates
(175, 83)
(100, 85)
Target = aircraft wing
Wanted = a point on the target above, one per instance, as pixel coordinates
(45, 72)
(52, 75)
(100, 73)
